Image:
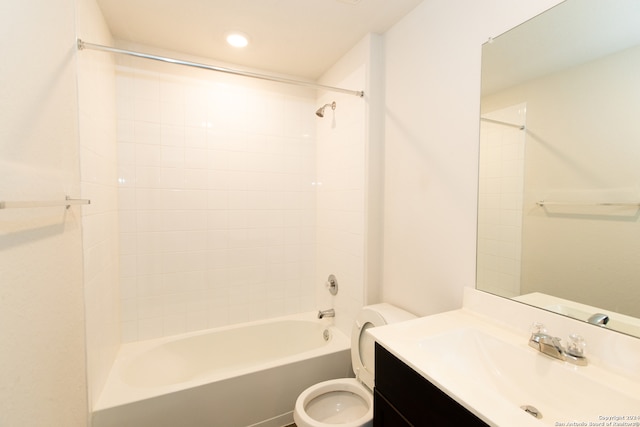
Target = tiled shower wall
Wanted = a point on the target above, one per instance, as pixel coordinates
(501, 188)
(217, 199)
(98, 175)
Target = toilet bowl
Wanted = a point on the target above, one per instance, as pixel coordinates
(344, 402)
(348, 402)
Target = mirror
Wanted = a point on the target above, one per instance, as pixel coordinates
(559, 188)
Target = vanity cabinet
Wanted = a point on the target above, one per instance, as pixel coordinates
(403, 397)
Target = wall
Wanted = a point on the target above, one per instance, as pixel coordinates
(349, 192)
(98, 158)
(217, 198)
(500, 197)
(432, 79)
(223, 190)
(42, 361)
(581, 147)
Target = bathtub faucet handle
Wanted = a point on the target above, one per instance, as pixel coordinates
(332, 284)
(326, 313)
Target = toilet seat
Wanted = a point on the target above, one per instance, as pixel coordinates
(362, 345)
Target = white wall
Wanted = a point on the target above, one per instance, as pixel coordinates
(223, 190)
(217, 198)
(432, 82)
(42, 360)
(98, 157)
(349, 191)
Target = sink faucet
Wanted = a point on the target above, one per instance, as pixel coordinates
(326, 313)
(551, 346)
(598, 319)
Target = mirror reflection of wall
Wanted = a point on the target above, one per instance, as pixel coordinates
(500, 198)
(582, 148)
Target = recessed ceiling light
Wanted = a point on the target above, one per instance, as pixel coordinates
(237, 39)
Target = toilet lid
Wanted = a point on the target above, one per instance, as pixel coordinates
(362, 345)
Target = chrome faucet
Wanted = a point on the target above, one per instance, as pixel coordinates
(551, 346)
(326, 313)
(599, 319)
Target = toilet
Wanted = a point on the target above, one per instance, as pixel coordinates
(348, 402)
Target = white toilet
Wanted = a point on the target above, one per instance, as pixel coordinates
(348, 402)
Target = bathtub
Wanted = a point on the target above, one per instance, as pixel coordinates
(242, 375)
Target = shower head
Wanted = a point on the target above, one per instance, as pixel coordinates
(320, 112)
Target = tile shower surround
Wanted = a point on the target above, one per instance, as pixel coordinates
(501, 190)
(216, 199)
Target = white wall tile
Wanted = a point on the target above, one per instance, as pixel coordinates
(500, 204)
(209, 175)
(172, 134)
(101, 176)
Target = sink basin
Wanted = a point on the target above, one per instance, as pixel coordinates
(491, 370)
(558, 391)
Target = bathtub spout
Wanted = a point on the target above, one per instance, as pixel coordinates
(326, 313)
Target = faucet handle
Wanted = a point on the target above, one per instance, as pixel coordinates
(538, 332)
(332, 284)
(537, 328)
(577, 346)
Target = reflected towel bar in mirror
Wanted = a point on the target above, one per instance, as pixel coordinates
(543, 203)
(67, 202)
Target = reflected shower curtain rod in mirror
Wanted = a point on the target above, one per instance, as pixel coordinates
(86, 45)
(498, 122)
(561, 201)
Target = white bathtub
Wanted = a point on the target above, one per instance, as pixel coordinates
(242, 375)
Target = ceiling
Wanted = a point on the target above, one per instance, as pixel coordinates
(301, 38)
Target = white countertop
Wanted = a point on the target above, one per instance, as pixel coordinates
(453, 369)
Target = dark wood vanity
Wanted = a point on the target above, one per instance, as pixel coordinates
(403, 397)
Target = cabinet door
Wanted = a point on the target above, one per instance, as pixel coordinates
(414, 397)
(385, 415)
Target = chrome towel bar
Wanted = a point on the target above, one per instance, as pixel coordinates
(67, 202)
(543, 203)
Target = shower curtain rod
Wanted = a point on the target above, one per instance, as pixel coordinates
(86, 45)
(498, 122)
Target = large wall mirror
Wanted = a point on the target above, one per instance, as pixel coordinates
(559, 193)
